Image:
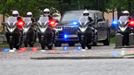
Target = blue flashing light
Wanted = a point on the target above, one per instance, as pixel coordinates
(115, 22)
(65, 36)
(74, 23)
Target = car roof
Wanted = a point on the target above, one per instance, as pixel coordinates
(81, 11)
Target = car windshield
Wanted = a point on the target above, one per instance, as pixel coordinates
(73, 15)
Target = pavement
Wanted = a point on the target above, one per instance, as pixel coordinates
(97, 52)
(101, 60)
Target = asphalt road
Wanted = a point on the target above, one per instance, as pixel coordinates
(19, 63)
(68, 67)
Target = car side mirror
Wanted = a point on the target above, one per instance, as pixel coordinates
(99, 20)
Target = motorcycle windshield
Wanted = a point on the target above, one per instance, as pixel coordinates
(123, 20)
(28, 21)
(83, 21)
(11, 21)
(43, 21)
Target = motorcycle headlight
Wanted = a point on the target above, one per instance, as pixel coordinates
(123, 28)
(11, 29)
(43, 29)
(82, 29)
(25, 30)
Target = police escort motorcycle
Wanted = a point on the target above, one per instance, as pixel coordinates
(29, 33)
(85, 33)
(13, 33)
(122, 32)
(46, 32)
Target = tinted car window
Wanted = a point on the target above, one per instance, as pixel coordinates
(74, 15)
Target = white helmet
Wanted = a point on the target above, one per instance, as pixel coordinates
(86, 13)
(46, 10)
(29, 13)
(15, 12)
(125, 12)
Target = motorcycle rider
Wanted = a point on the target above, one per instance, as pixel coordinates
(124, 17)
(46, 13)
(30, 15)
(123, 20)
(86, 14)
(31, 33)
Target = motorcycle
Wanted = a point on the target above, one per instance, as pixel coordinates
(85, 33)
(122, 29)
(29, 34)
(46, 32)
(13, 34)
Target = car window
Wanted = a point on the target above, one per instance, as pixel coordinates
(74, 15)
(100, 16)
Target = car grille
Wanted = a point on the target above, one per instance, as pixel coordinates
(69, 30)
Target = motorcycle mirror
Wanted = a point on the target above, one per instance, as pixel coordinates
(3, 23)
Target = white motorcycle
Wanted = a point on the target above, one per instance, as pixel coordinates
(13, 34)
(46, 32)
(29, 34)
(85, 33)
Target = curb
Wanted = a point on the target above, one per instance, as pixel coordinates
(88, 57)
(118, 47)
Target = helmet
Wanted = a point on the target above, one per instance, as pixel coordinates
(15, 13)
(29, 13)
(125, 12)
(46, 12)
(86, 13)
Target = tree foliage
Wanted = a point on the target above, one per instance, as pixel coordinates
(36, 6)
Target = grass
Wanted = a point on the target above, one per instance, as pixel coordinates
(4, 45)
(112, 40)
